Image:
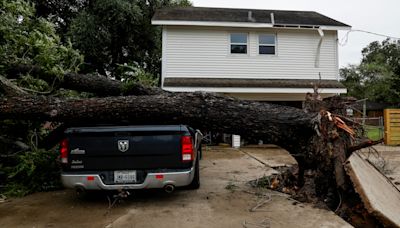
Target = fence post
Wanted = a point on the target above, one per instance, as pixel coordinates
(364, 111)
(392, 126)
(381, 127)
(386, 115)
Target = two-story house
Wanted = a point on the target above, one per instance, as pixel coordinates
(264, 55)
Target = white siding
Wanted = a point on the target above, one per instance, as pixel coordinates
(205, 52)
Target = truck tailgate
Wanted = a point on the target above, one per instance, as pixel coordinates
(120, 148)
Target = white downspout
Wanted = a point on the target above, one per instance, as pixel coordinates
(272, 19)
(317, 57)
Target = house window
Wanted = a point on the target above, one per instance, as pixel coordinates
(266, 44)
(239, 43)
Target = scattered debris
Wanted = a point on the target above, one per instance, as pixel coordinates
(3, 198)
(264, 199)
(377, 160)
(285, 181)
(265, 223)
(122, 194)
(231, 186)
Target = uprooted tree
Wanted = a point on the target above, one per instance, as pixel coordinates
(316, 137)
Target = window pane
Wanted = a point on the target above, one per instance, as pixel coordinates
(239, 49)
(266, 39)
(240, 38)
(268, 50)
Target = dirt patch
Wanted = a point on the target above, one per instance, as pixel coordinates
(57, 209)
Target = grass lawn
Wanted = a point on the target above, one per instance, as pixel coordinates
(373, 132)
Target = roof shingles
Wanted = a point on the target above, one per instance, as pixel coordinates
(281, 17)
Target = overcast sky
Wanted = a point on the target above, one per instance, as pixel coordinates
(372, 15)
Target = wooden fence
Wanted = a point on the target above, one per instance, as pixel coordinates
(392, 126)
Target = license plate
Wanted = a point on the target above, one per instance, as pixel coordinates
(124, 176)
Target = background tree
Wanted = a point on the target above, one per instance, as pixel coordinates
(112, 34)
(60, 12)
(377, 77)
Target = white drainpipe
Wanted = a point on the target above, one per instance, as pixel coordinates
(317, 57)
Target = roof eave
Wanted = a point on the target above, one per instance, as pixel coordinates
(242, 25)
(254, 90)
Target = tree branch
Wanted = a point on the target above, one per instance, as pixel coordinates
(9, 89)
(364, 144)
(99, 85)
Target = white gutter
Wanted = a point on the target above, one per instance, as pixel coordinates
(335, 27)
(213, 23)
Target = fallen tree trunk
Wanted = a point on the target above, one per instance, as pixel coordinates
(269, 122)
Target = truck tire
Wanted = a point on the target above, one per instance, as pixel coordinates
(195, 184)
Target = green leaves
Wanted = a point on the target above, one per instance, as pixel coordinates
(378, 76)
(111, 33)
(36, 170)
(133, 74)
(30, 40)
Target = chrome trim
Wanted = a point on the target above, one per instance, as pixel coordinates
(177, 179)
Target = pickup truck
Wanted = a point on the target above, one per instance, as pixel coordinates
(130, 157)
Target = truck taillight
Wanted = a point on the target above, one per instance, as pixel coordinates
(187, 148)
(64, 151)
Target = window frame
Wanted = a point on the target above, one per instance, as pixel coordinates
(267, 45)
(230, 43)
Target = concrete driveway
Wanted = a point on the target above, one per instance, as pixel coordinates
(223, 200)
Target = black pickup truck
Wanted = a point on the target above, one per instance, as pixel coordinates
(131, 157)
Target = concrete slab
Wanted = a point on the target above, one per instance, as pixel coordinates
(380, 197)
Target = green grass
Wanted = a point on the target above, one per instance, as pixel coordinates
(373, 133)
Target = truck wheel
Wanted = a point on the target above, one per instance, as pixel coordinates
(195, 184)
(81, 193)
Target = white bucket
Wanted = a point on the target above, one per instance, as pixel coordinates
(235, 141)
